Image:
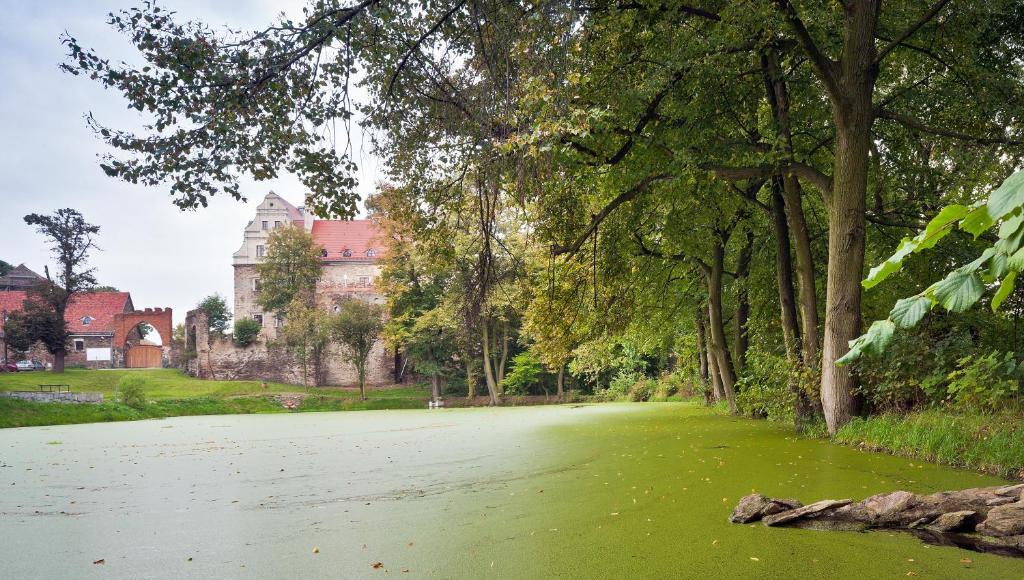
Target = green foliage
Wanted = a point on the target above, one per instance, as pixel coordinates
(5, 267)
(964, 286)
(217, 312)
(36, 322)
(642, 391)
(986, 382)
(356, 328)
(765, 388)
(290, 269)
(132, 392)
(307, 334)
(526, 370)
(247, 331)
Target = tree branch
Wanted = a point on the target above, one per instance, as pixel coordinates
(419, 42)
(595, 220)
(932, 13)
(822, 63)
(916, 125)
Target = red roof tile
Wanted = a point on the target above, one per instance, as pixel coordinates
(99, 306)
(358, 236)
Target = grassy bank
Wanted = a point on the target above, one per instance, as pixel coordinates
(991, 443)
(170, 393)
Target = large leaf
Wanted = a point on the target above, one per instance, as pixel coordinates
(977, 222)
(873, 341)
(909, 311)
(1005, 289)
(1007, 197)
(958, 291)
(941, 225)
(891, 265)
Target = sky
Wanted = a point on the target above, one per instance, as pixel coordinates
(48, 157)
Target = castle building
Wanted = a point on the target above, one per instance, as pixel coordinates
(350, 253)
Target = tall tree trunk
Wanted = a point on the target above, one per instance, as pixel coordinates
(778, 98)
(492, 387)
(702, 351)
(743, 302)
(435, 387)
(470, 377)
(804, 408)
(58, 361)
(853, 116)
(715, 394)
(503, 360)
(719, 347)
(561, 383)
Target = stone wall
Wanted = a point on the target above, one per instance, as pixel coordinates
(54, 397)
(221, 359)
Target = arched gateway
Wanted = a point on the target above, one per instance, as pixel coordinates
(140, 355)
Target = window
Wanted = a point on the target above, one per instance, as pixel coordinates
(323, 253)
(258, 318)
(261, 250)
(371, 253)
(277, 224)
(337, 308)
(347, 253)
(87, 320)
(265, 225)
(255, 284)
(364, 280)
(79, 345)
(278, 321)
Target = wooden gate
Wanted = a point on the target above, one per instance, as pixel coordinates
(143, 356)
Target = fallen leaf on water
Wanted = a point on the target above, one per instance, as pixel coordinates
(316, 549)
(405, 570)
(911, 573)
(409, 545)
(966, 560)
(614, 513)
(100, 561)
(714, 542)
(755, 558)
(377, 565)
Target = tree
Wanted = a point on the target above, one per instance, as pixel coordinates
(290, 269)
(247, 331)
(5, 268)
(356, 328)
(217, 311)
(103, 289)
(71, 239)
(307, 334)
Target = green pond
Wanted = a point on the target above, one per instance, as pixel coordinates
(618, 491)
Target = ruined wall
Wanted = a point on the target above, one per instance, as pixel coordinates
(222, 359)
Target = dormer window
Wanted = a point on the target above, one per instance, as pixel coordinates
(87, 320)
(371, 253)
(346, 253)
(323, 253)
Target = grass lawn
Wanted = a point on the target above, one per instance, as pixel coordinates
(172, 393)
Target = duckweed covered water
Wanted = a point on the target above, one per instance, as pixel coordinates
(572, 492)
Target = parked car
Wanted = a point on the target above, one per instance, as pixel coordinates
(9, 368)
(26, 365)
(39, 366)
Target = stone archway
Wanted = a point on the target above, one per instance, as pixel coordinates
(142, 356)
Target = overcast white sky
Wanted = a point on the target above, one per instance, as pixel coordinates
(163, 256)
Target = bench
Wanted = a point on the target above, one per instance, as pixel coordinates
(55, 388)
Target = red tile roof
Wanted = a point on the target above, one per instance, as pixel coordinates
(359, 236)
(100, 306)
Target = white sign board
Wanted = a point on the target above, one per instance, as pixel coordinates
(97, 354)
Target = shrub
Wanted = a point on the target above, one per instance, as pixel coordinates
(246, 331)
(131, 392)
(641, 391)
(764, 389)
(984, 381)
(526, 371)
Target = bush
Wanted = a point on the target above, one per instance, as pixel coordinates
(764, 389)
(641, 391)
(526, 371)
(246, 331)
(984, 381)
(131, 392)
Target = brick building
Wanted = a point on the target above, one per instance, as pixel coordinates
(19, 278)
(350, 251)
(92, 321)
